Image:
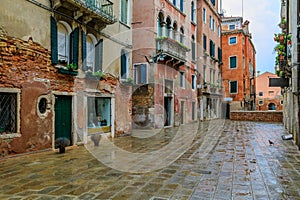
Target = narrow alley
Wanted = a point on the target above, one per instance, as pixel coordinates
(225, 160)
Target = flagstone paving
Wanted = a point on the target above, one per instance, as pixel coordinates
(223, 160)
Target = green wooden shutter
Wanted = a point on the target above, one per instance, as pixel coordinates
(74, 46)
(123, 65)
(54, 50)
(84, 67)
(124, 11)
(99, 55)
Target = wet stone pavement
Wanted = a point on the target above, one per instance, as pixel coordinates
(224, 160)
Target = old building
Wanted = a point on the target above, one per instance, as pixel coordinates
(267, 98)
(287, 64)
(64, 68)
(164, 63)
(239, 64)
(209, 59)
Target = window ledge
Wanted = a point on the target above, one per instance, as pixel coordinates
(10, 135)
(124, 24)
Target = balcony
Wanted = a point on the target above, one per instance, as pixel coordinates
(87, 11)
(171, 51)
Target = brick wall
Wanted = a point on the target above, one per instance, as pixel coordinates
(262, 116)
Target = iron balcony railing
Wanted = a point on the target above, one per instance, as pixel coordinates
(104, 8)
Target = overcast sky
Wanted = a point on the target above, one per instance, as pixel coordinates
(264, 17)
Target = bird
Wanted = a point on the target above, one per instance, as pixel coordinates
(271, 142)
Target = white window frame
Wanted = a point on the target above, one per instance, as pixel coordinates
(230, 42)
(135, 73)
(236, 62)
(237, 87)
(260, 102)
(94, 42)
(69, 30)
(128, 13)
(194, 82)
(231, 25)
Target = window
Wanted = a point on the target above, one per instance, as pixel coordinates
(193, 82)
(233, 87)
(232, 40)
(220, 54)
(260, 102)
(174, 2)
(8, 112)
(281, 102)
(182, 80)
(231, 27)
(193, 44)
(214, 25)
(99, 112)
(193, 110)
(181, 35)
(204, 73)
(168, 27)
(181, 5)
(64, 43)
(193, 12)
(272, 106)
(124, 64)
(204, 15)
(63, 40)
(232, 62)
(140, 73)
(213, 2)
(260, 94)
(125, 11)
(212, 48)
(210, 22)
(219, 31)
(159, 25)
(204, 43)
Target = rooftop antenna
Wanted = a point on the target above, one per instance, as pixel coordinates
(243, 9)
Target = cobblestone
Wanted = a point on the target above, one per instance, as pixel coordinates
(226, 160)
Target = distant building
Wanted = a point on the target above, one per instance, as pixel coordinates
(267, 98)
(239, 63)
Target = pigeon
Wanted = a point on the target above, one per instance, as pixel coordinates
(271, 142)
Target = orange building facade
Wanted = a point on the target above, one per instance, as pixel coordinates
(239, 64)
(267, 98)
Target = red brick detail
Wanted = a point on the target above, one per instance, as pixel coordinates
(261, 116)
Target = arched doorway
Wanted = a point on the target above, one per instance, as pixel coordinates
(271, 106)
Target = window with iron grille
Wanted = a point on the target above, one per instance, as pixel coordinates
(8, 113)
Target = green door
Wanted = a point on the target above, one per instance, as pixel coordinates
(63, 117)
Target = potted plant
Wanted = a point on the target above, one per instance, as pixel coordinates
(62, 143)
(71, 69)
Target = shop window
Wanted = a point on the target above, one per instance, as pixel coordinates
(99, 113)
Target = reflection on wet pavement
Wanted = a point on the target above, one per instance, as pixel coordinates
(224, 160)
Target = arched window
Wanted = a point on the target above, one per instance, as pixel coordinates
(193, 44)
(63, 31)
(169, 27)
(124, 64)
(181, 35)
(175, 31)
(193, 12)
(90, 52)
(271, 106)
(160, 25)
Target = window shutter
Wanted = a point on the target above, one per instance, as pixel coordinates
(193, 50)
(74, 46)
(220, 54)
(123, 65)
(124, 11)
(99, 55)
(54, 52)
(204, 42)
(232, 62)
(84, 67)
